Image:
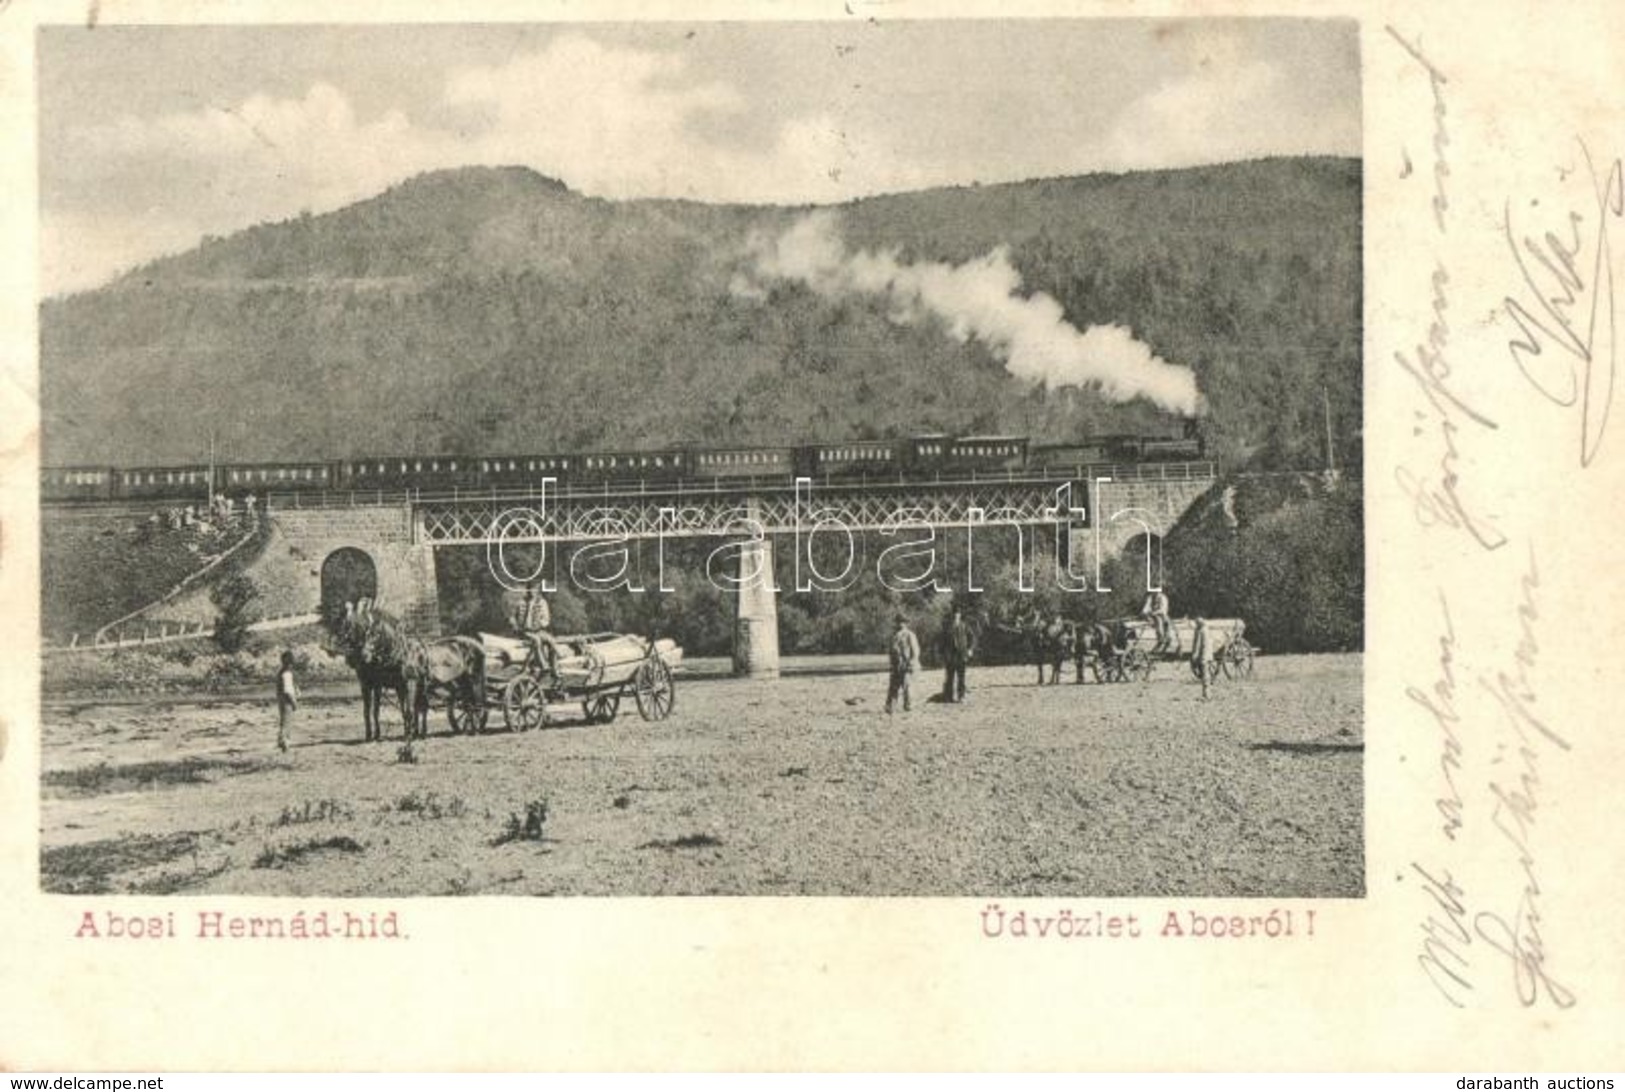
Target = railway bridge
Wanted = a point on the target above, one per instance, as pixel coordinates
(383, 545)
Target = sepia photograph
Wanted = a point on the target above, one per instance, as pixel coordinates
(907, 459)
(880, 535)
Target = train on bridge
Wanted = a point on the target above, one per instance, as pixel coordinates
(924, 456)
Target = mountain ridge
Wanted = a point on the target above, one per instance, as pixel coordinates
(481, 310)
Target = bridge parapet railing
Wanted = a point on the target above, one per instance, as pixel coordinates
(738, 487)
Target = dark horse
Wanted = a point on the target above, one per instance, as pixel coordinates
(1049, 646)
(376, 680)
(453, 666)
(1093, 651)
(374, 644)
(1060, 644)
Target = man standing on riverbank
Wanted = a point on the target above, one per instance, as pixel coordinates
(905, 659)
(1202, 656)
(957, 649)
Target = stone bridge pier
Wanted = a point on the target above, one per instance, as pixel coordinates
(1121, 511)
(756, 613)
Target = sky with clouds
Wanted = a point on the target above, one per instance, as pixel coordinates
(152, 137)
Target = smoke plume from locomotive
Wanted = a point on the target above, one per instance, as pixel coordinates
(980, 299)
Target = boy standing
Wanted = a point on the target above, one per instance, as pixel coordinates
(287, 700)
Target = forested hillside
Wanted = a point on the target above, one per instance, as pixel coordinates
(486, 310)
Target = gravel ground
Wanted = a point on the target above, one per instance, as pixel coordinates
(800, 786)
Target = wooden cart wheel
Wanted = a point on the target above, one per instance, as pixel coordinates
(601, 709)
(1137, 665)
(654, 689)
(1237, 660)
(465, 713)
(523, 704)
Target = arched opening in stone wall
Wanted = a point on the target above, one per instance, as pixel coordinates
(348, 575)
(1144, 553)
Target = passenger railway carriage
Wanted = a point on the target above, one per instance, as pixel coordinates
(520, 471)
(616, 467)
(741, 463)
(858, 459)
(162, 481)
(393, 473)
(78, 482)
(987, 453)
(929, 456)
(261, 478)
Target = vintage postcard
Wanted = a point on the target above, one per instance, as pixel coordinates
(860, 535)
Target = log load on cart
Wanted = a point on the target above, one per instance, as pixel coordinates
(1133, 654)
(595, 671)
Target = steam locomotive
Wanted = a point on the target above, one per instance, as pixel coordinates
(931, 455)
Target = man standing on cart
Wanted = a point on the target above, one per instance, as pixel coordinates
(533, 621)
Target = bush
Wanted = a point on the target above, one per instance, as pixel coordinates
(528, 829)
(1293, 569)
(237, 598)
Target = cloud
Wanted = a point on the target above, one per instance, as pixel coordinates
(1223, 103)
(618, 121)
(611, 122)
(979, 299)
(138, 188)
(80, 250)
(628, 123)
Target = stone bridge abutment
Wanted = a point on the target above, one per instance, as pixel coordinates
(359, 549)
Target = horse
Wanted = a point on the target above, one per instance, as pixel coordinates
(1031, 630)
(1050, 645)
(373, 644)
(1092, 650)
(376, 680)
(1060, 643)
(453, 666)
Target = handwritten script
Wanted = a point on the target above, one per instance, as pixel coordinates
(1481, 880)
(1437, 499)
(1459, 923)
(1564, 311)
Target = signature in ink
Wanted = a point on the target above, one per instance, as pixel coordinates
(1516, 803)
(1520, 940)
(1568, 273)
(1439, 502)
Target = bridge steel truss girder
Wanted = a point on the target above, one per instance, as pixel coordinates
(689, 514)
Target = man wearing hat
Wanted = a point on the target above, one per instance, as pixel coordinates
(1155, 611)
(905, 658)
(1202, 665)
(958, 645)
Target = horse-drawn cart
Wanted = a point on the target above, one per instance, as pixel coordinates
(595, 670)
(1134, 652)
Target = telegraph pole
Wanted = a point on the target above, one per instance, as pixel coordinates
(211, 470)
(1326, 402)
